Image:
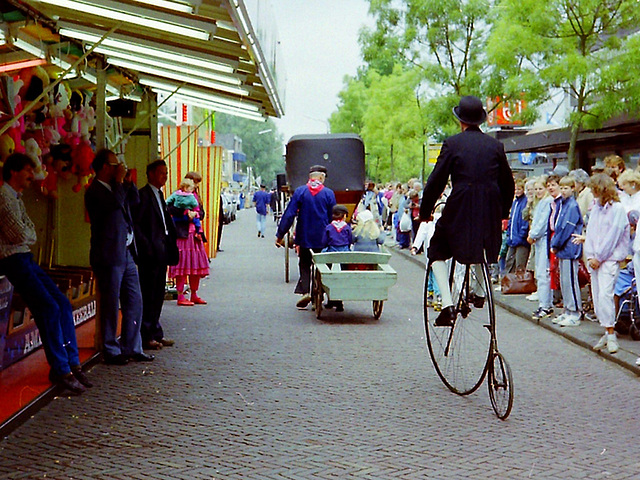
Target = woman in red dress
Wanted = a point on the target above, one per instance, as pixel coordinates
(194, 262)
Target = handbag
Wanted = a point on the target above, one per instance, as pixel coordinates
(405, 222)
(521, 281)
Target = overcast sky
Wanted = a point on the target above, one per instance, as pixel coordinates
(319, 43)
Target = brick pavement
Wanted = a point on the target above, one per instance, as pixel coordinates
(255, 389)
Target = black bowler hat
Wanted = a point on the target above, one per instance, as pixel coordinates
(318, 168)
(470, 110)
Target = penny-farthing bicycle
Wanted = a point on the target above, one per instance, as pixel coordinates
(468, 351)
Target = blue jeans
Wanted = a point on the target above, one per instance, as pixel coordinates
(50, 308)
(119, 287)
(261, 221)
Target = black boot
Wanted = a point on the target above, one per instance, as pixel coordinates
(446, 318)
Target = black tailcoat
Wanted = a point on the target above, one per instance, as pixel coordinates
(481, 196)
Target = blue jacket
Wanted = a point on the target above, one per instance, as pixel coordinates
(518, 228)
(567, 222)
(313, 213)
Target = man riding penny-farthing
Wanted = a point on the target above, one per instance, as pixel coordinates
(467, 238)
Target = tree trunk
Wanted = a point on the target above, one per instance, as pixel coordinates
(393, 173)
(571, 154)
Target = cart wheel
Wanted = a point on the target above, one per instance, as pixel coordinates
(286, 258)
(377, 308)
(317, 294)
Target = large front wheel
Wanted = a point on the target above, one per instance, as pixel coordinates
(460, 354)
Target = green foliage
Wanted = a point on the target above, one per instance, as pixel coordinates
(263, 151)
(576, 45)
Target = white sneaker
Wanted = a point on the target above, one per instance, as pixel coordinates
(533, 297)
(601, 343)
(612, 343)
(559, 318)
(570, 321)
(638, 361)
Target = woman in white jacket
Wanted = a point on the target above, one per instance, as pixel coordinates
(607, 243)
(538, 236)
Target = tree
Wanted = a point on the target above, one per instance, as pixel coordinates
(263, 150)
(444, 39)
(580, 46)
(392, 127)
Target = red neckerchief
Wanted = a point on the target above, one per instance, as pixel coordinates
(339, 225)
(315, 187)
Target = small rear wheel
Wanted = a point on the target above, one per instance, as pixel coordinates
(500, 386)
(377, 308)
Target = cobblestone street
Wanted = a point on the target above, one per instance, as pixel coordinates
(255, 389)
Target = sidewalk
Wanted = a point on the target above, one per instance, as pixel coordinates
(586, 335)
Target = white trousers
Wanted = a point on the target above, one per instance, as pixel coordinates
(603, 281)
(543, 277)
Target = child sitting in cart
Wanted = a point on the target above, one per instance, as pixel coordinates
(367, 235)
(338, 236)
(184, 199)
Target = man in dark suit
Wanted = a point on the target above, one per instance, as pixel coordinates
(469, 229)
(155, 235)
(108, 200)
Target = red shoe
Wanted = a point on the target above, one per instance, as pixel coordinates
(185, 303)
(198, 300)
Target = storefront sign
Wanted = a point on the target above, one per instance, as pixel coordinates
(504, 113)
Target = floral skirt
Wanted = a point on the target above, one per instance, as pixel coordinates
(193, 257)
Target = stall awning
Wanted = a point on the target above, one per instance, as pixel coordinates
(206, 51)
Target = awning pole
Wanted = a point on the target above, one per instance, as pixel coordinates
(187, 137)
(51, 86)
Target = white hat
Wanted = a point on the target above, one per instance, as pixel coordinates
(364, 216)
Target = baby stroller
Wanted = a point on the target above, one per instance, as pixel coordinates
(628, 318)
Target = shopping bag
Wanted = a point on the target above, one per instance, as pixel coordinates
(405, 222)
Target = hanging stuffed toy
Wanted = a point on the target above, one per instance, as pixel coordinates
(82, 158)
(7, 147)
(33, 151)
(58, 163)
(15, 101)
(35, 81)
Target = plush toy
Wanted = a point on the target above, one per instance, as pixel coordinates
(18, 128)
(82, 157)
(58, 163)
(87, 118)
(7, 147)
(35, 79)
(33, 151)
(75, 104)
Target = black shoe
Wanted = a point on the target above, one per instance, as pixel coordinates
(81, 377)
(447, 317)
(476, 300)
(68, 382)
(142, 357)
(116, 359)
(220, 250)
(261, 236)
(339, 306)
(329, 305)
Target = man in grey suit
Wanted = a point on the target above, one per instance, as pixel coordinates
(155, 236)
(108, 200)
